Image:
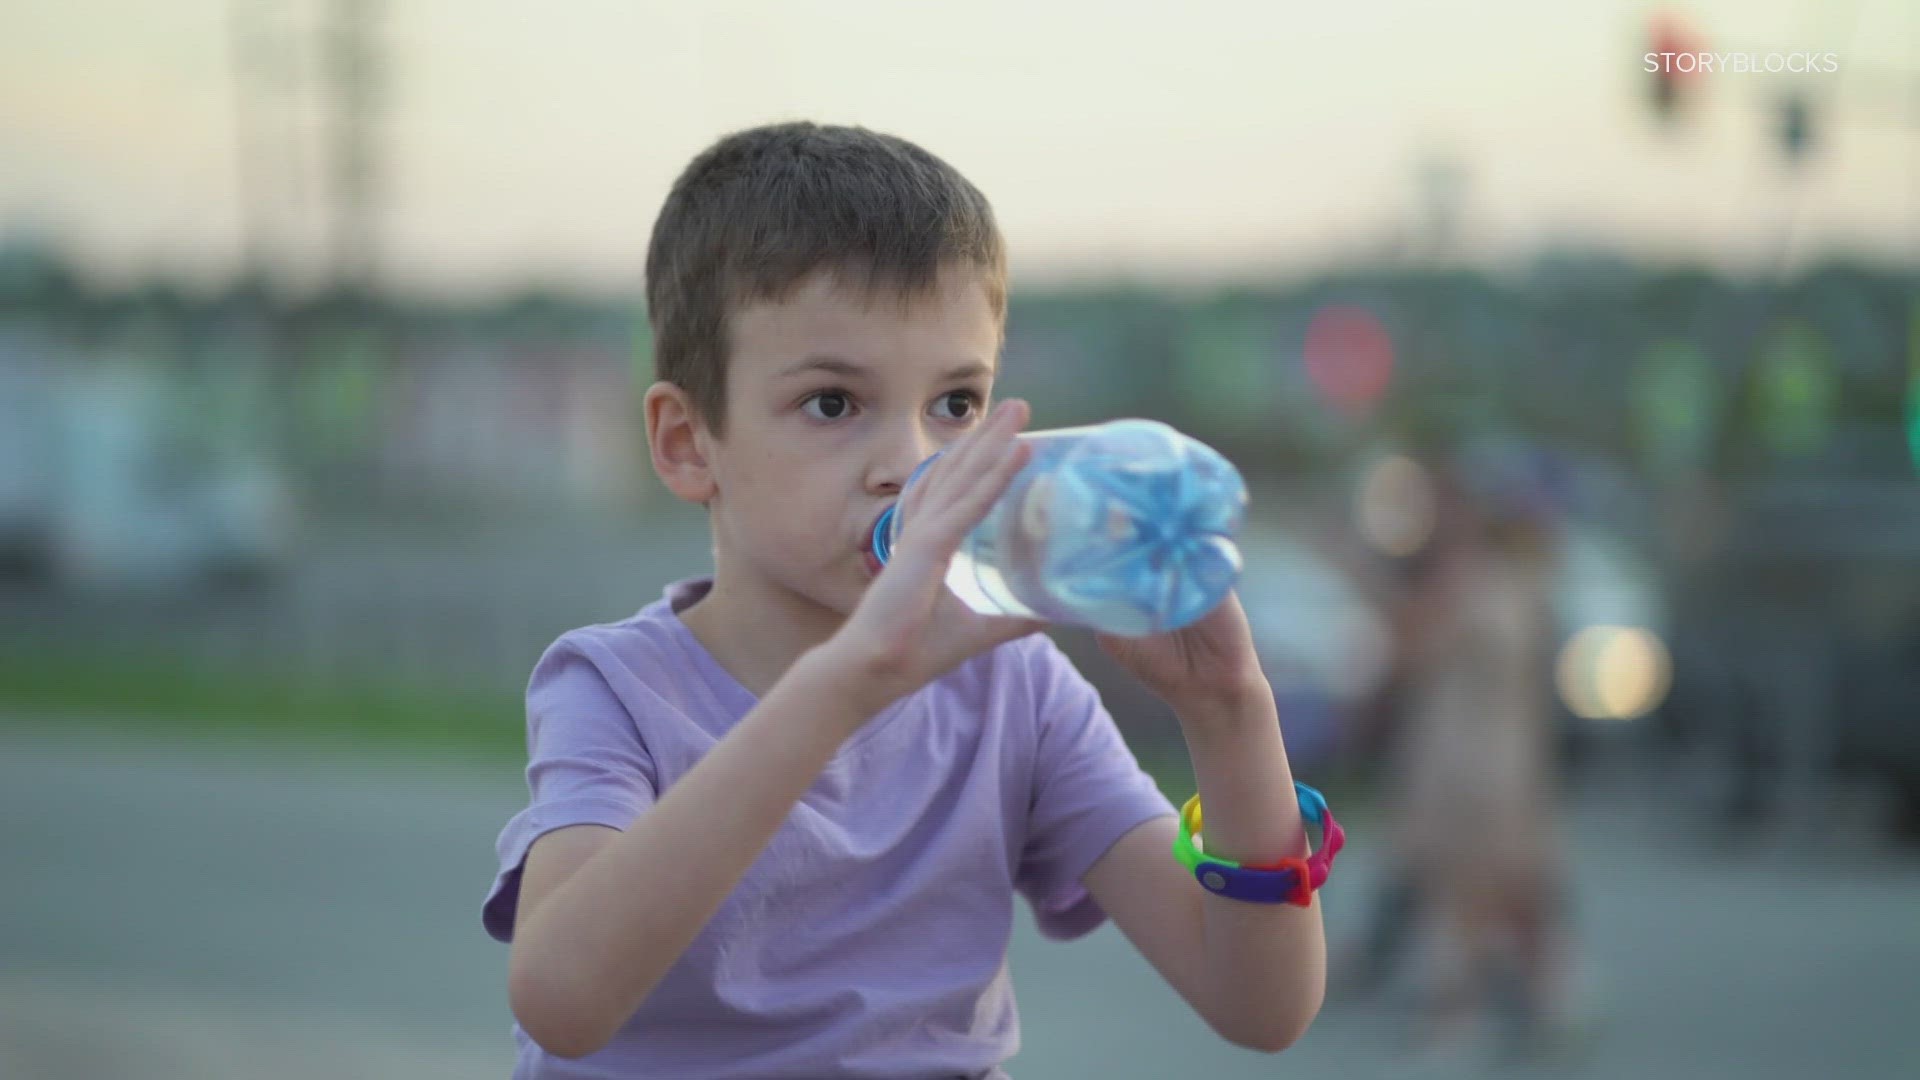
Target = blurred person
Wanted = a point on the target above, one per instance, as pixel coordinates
(780, 816)
(1393, 916)
(1472, 778)
(1411, 590)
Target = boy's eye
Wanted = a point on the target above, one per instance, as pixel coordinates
(962, 402)
(828, 405)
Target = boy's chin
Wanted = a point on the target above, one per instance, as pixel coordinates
(839, 593)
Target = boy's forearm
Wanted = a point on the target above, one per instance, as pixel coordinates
(1266, 963)
(606, 937)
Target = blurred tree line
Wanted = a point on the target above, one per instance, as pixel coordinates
(1666, 368)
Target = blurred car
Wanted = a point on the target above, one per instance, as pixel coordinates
(29, 399)
(140, 504)
(1323, 644)
(1811, 628)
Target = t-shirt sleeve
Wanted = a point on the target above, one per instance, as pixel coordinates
(586, 765)
(1088, 792)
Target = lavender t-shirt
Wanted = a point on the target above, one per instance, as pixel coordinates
(870, 938)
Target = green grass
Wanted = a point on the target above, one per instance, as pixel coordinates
(166, 697)
(171, 699)
(1170, 768)
(162, 698)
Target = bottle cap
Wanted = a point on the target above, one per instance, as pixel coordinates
(882, 547)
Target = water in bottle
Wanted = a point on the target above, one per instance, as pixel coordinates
(1127, 527)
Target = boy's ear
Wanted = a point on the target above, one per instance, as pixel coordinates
(678, 442)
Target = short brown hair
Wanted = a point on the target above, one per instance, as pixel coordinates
(758, 211)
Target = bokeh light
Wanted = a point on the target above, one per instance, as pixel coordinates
(1395, 505)
(1676, 405)
(1349, 357)
(1613, 673)
(1797, 392)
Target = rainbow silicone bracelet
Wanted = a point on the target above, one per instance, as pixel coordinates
(1291, 880)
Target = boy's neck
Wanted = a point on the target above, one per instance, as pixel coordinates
(756, 633)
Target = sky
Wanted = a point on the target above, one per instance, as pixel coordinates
(1219, 139)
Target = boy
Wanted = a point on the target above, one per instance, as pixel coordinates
(779, 816)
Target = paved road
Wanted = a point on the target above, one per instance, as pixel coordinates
(170, 913)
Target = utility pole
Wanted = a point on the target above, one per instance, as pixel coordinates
(271, 156)
(354, 62)
(1443, 191)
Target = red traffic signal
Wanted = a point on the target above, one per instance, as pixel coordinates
(1673, 61)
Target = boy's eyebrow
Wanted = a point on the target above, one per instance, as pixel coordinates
(834, 365)
(839, 365)
(972, 369)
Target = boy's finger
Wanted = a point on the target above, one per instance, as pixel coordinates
(1013, 414)
(988, 441)
(941, 525)
(962, 461)
(976, 470)
(1002, 423)
(972, 503)
(962, 452)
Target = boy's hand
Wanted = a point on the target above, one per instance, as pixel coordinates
(1209, 661)
(909, 629)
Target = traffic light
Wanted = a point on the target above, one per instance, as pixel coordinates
(1672, 61)
(1796, 126)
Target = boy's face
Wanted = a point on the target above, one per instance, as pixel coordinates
(832, 398)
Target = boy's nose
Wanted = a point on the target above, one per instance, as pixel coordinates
(896, 459)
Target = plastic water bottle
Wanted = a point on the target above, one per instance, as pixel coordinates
(1127, 527)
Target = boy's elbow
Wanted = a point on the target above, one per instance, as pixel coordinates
(553, 1016)
(1265, 1040)
(562, 1044)
(1272, 1038)
(1269, 1033)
